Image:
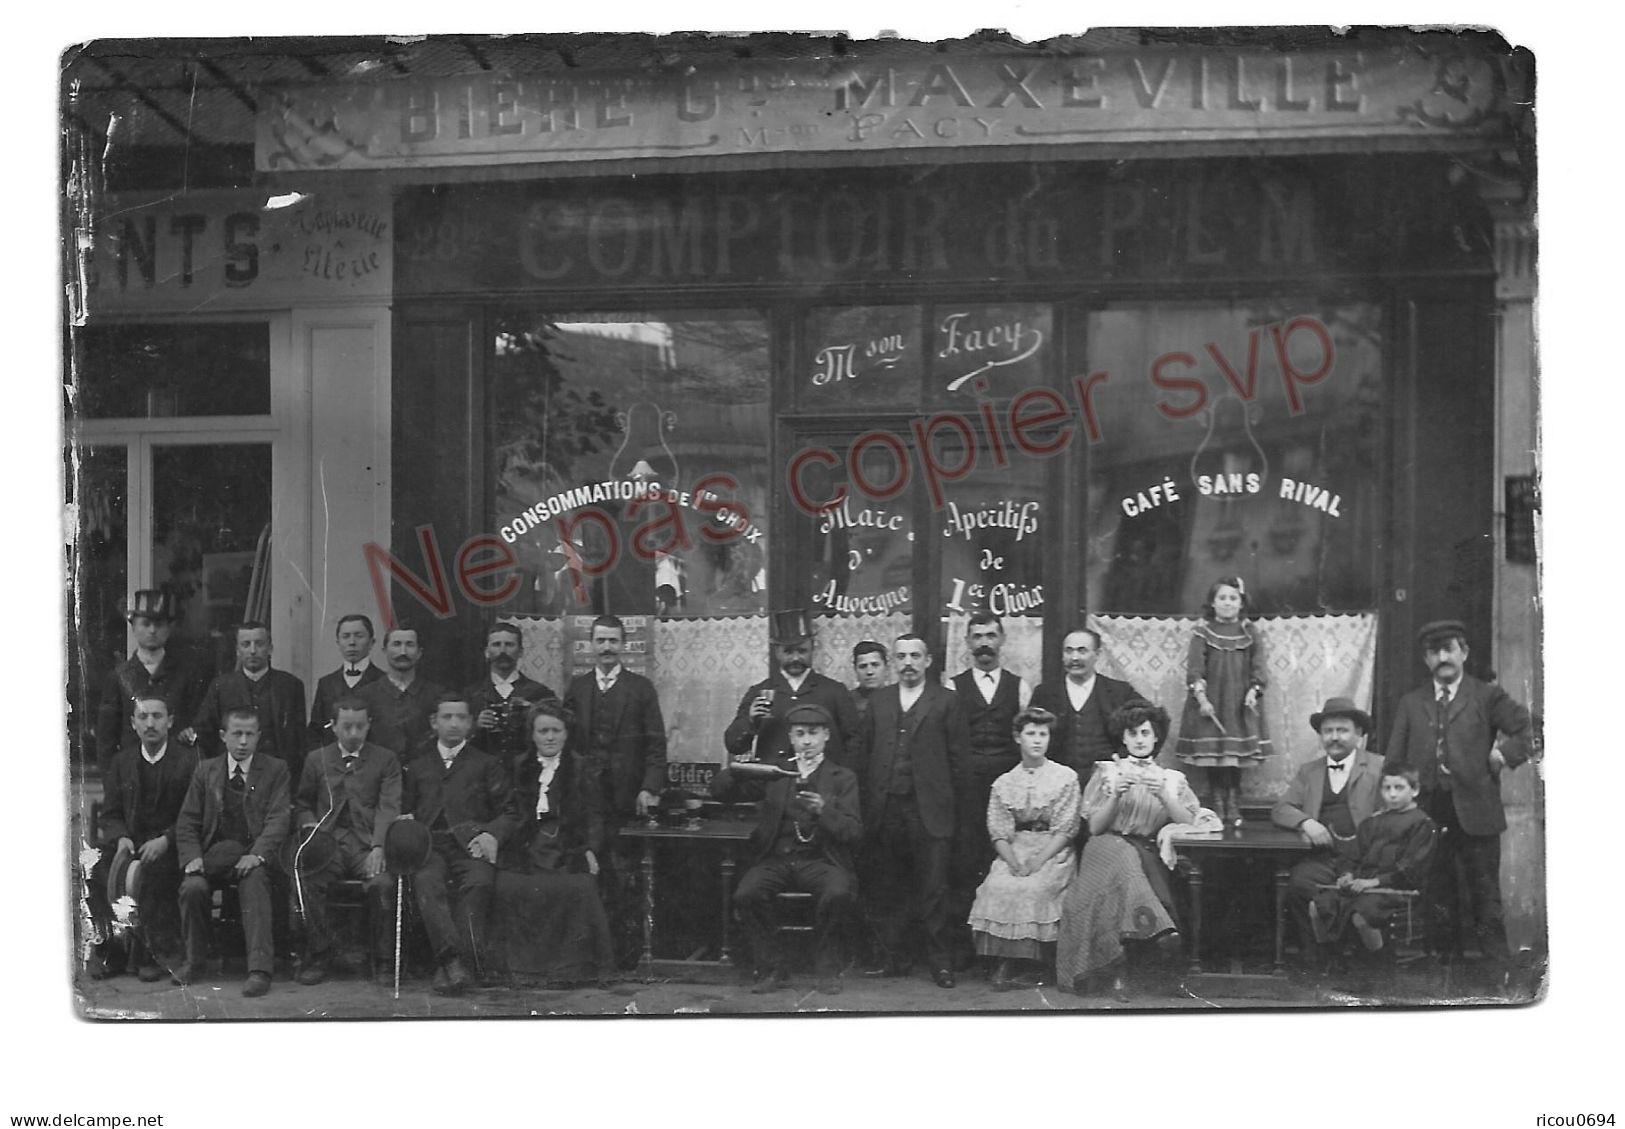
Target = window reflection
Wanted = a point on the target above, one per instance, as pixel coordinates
(149, 370)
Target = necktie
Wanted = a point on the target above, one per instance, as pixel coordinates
(1438, 729)
(236, 778)
(349, 761)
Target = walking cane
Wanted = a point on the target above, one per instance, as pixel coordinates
(400, 894)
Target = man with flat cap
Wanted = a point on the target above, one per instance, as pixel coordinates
(153, 668)
(1460, 734)
(1325, 803)
(759, 723)
(808, 827)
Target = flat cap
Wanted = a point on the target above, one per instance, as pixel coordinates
(809, 713)
(1440, 629)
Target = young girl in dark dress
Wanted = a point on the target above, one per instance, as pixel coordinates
(1222, 728)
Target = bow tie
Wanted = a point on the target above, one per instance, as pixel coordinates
(352, 672)
(1337, 766)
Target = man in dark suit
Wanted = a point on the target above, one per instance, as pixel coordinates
(621, 737)
(351, 791)
(500, 699)
(463, 797)
(1326, 802)
(1081, 703)
(870, 661)
(277, 696)
(144, 789)
(401, 702)
(758, 724)
(1460, 734)
(917, 749)
(230, 829)
(153, 668)
(354, 635)
(808, 823)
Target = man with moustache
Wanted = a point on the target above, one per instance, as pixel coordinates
(1081, 703)
(1460, 734)
(500, 699)
(758, 726)
(144, 788)
(231, 826)
(351, 792)
(356, 669)
(275, 695)
(153, 668)
(1326, 802)
(915, 757)
(401, 702)
(869, 662)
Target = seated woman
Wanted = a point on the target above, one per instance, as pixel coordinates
(547, 922)
(1032, 818)
(1121, 894)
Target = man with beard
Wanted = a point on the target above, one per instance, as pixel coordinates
(275, 695)
(1460, 734)
(1325, 803)
(354, 636)
(401, 703)
(1081, 703)
(500, 699)
(153, 668)
(991, 697)
(759, 724)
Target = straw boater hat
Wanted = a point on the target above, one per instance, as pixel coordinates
(124, 877)
(791, 626)
(151, 603)
(407, 845)
(1341, 707)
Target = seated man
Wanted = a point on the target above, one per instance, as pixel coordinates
(803, 842)
(1326, 802)
(145, 787)
(351, 791)
(231, 826)
(462, 795)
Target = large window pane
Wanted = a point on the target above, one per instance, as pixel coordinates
(98, 568)
(587, 410)
(861, 357)
(141, 370)
(993, 352)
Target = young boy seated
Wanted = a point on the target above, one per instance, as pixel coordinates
(1392, 849)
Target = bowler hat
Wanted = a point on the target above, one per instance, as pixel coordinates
(1441, 629)
(1341, 707)
(152, 603)
(124, 877)
(809, 713)
(407, 846)
(791, 626)
(308, 851)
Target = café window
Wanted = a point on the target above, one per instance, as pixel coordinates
(628, 457)
(1237, 439)
(154, 370)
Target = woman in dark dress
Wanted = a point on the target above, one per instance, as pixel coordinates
(547, 921)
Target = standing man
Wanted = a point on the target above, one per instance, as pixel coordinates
(1460, 734)
(620, 736)
(351, 791)
(462, 796)
(144, 789)
(401, 702)
(275, 695)
(354, 635)
(869, 661)
(153, 668)
(759, 722)
(1325, 803)
(500, 699)
(232, 823)
(918, 758)
(1081, 703)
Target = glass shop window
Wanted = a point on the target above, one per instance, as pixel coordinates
(1237, 439)
(156, 370)
(861, 357)
(628, 453)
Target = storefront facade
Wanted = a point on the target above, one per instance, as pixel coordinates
(1066, 335)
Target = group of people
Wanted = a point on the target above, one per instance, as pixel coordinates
(949, 822)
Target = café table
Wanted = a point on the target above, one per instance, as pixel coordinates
(1255, 839)
(727, 832)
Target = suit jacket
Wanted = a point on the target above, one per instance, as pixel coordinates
(1110, 694)
(1307, 792)
(1477, 715)
(127, 813)
(400, 722)
(279, 699)
(265, 807)
(637, 743)
(330, 688)
(509, 743)
(571, 827)
(179, 679)
(367, 799)
(773, 739)
(938, 741)
(840, 824)
(473, 796)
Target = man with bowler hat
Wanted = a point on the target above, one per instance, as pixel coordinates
(1326, 802)
(1460, 734)
(230, 830)
(154, 667)
(758, 725)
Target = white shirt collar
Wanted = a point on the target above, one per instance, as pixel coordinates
(360, 667)
(231, 765)
(607, 679)
(508, 681)
(449, 754)
(1449, 689)
(1340, 780)
(907, 696)
(252, 677)
(162, 749)
(796, 683)
(803, 772)
(1078, 692)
